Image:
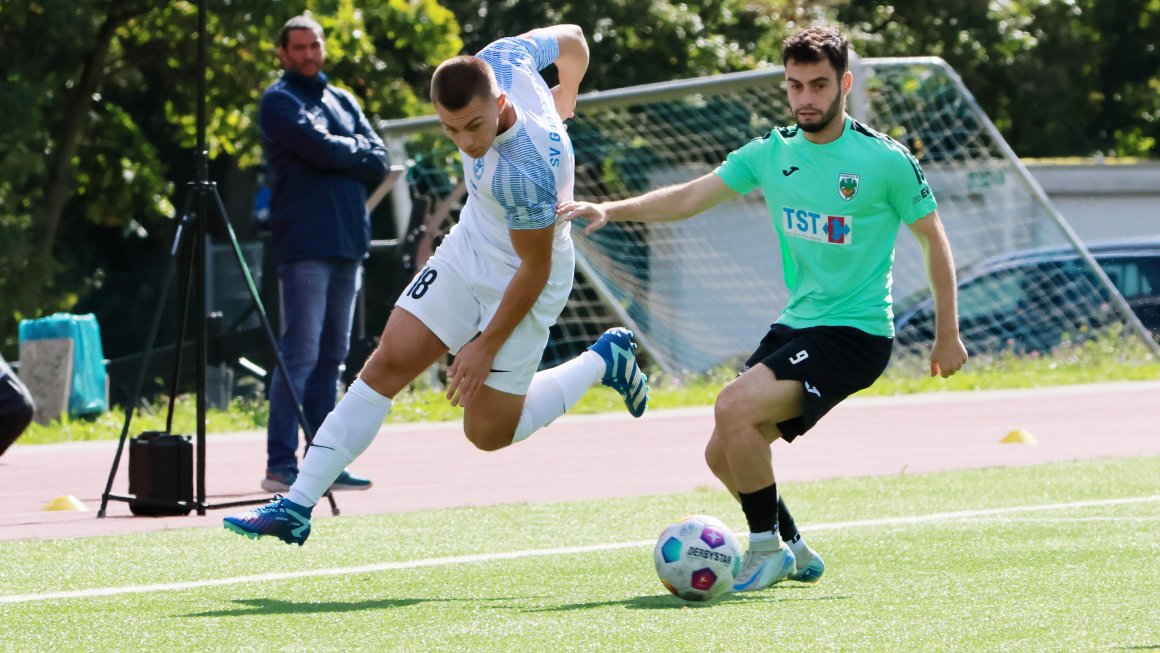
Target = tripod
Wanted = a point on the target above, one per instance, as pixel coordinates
(198, 199)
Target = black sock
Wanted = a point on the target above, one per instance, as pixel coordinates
(789, 531)
(760, 508)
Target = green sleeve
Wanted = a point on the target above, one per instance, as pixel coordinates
(910, 195)
(738, 171)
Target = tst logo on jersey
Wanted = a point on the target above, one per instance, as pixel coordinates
(477, 168)
(811, 225)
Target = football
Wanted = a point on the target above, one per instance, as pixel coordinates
(697, 558)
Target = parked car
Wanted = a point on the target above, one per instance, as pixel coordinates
(1034, 299)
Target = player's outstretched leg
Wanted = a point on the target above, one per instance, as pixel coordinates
(621, 373)
(765, 563)
(280, 518)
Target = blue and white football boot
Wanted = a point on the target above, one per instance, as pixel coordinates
(808, 570)
(280, 518)
(760, 568)
(621, 373)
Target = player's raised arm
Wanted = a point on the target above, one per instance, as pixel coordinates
(661, 205)
(948, 354)
(570, 66)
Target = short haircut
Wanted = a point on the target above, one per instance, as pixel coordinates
(459, 80)
(813, 44)
(299, 22)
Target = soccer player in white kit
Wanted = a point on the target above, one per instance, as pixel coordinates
(493, 287)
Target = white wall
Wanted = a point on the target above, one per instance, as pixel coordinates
(1104, 201)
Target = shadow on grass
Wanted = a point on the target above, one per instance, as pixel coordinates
(274, 606)
(670, 602)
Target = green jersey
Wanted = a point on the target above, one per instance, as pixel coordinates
(837, 208)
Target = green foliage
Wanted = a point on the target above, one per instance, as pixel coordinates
(1096, 60)
(638, 42)
(100, 97)
(133, 135)
(1058, 77)
(402, 42)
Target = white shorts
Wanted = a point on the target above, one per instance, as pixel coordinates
(458, 292)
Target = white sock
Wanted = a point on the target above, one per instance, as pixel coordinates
(556, 390)
(799, 547)
(767, 541)
(345, 433)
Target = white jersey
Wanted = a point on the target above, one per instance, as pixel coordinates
(516, 185)
(530, 167)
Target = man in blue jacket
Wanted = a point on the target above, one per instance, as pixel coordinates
(323, 155)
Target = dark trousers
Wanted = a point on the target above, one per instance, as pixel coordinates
(16, 409)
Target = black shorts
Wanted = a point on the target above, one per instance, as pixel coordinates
(832, 362)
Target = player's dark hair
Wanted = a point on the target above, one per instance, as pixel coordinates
(816, 43)
(298, 22)
(460, 80)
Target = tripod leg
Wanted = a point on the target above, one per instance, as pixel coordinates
(270, 339)
(183, 315)
(147, 355)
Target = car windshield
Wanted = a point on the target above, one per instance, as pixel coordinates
(1134, 277)
(1033, 303)
(999, 292)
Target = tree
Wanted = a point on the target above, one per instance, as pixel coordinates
(99, 118)
(48, 98)
(644, 41)
(1058, 77)
(98, 97)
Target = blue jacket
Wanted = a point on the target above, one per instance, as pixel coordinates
(323, 156)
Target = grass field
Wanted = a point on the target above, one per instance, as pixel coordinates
(1058, 557)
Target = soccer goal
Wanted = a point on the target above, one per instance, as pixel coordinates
(701, 292)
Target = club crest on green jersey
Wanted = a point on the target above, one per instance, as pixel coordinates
(847, 186)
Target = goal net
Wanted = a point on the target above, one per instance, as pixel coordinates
(700, 293)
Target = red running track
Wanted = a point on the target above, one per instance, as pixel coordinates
(422, 466)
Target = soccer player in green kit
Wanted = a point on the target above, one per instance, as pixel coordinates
(837, 192)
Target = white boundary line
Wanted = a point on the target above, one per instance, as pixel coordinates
(511, 555)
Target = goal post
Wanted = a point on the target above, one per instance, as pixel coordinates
(701, 292)
(1035, 190)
